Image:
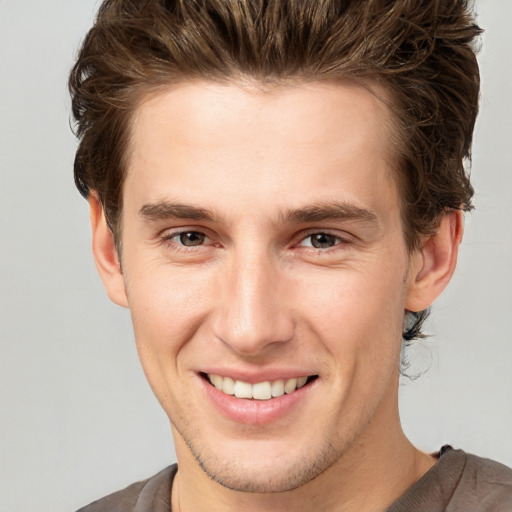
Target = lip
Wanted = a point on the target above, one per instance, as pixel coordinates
(260, 376)
(256, 412)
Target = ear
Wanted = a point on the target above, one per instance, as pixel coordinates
(433, 264)
(105, 254)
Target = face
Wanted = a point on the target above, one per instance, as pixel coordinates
(263, 257)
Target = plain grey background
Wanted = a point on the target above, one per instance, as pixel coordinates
(77, 419)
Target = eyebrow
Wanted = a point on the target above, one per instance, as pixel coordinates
(330, 212)
(313, 213)
(166, 211)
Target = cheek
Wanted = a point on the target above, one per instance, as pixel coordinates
(167, 307)
(357, 315)
(354, 301)
(167, 312)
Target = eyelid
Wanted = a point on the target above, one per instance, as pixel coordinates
(167, 236)
(343, 238)
(181, 232)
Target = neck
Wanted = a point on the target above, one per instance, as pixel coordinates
(377, 469)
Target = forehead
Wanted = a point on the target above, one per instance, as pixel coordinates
(302, 112)
(199, 138)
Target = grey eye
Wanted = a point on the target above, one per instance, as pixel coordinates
(191, 238)
(323, 240)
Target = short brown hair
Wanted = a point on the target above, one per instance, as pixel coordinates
(421, 51)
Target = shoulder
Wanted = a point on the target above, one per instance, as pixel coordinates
(459, 482)
(151, 495)
(489, 482)
(489, 470)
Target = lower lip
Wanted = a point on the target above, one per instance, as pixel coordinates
(256, 412)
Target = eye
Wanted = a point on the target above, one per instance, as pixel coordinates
(189, 238)
(321, 241)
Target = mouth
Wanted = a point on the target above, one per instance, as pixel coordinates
(265, 390)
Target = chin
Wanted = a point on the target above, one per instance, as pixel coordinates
(264, 469)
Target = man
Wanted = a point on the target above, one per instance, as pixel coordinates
(276, 192)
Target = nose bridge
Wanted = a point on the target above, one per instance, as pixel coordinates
(253, 312)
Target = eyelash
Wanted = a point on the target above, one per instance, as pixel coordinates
(338, 239)
(167, 239)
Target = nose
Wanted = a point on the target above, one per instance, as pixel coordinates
(253, 313)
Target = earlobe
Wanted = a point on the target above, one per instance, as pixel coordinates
(105, 254)
(433, 264)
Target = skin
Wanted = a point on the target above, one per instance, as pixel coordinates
(247, 168)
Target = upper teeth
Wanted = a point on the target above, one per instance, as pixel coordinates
(259, 391)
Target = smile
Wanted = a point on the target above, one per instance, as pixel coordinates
(265, 390)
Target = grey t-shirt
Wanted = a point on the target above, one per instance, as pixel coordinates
(459, 482)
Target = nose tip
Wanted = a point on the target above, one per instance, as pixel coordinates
(250, 338)
(253, 313)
